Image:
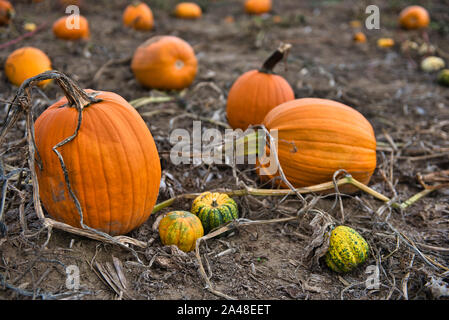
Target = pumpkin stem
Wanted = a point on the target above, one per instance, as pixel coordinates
(275, 58)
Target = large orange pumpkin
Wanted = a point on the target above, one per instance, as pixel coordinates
(256, 92)
(138, 16)
(25, 63)
(113, 165)
(414, 17)
(317, 137)
(165, 62)
(257, 6)
(188, 10)
(6, 12)
(64, 28)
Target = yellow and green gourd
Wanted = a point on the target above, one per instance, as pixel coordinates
(347, 249)
(182, 229)
(214, 209)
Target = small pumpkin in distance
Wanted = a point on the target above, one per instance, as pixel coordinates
(65, 3)
(359, 37)
(64, 28)
(29, 26)
(432, 63)
(257, 7)
(188, 10)
(165, 63)
(6, 12)
(138, 16)
(112, 164)
(443, 77)
(385, 42)
(317, 137)
(26, 62)
(347, 250)
(180, 228)
(214, 209)
(414, 17)
(246, 105)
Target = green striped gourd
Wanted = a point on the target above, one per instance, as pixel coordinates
(347, 249)
(214, 209)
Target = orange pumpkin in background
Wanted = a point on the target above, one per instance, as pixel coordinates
(414, 17)
(25, 63)
(164, 62)
(6, 12)
(359, 37)
(188, 10)
(65, 28)
(138, 16)
(65, 3)
(317, 137)
(113, 165)
(256, 92)
(257, 6)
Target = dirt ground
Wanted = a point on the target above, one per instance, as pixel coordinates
(407, 108)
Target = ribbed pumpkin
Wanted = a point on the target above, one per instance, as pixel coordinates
(113, 165)
(62, 31)
(6, 12)
(182, 229)
(414, 17)
(256, 92)
(214, 209)
(138, 16)
(347, 249)
(317, 137)
(188, 10)
(25, 63)
(257, 6)
(165, 62)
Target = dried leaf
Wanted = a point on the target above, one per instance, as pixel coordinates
(321, 224)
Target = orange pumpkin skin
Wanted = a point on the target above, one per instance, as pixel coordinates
(188, 10)
(165, 62)
(6, 12)
(414, 17)
(317, 137)
(253, 95)
(257, 6)
(113, 164)
(25, 63)
(62, 31)
(138, 16)
(65, 3)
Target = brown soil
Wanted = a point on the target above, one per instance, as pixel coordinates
(268, 261)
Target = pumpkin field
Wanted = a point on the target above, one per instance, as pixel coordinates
(224, 149)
